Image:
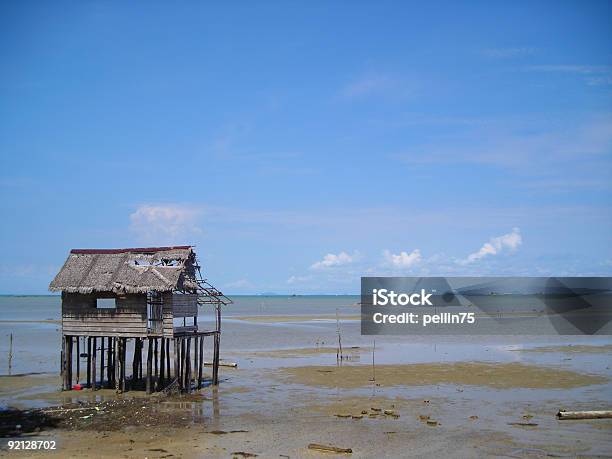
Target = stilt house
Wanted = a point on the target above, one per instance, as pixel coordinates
(120, 303)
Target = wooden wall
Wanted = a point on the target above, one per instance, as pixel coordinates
(185, 305)
(178, 305)
(167, 315)
(80, 317)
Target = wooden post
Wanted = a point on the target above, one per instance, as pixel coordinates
(123, 357)
(102, 362)
(88, 361)
(78, 360)
(135, 361)
(182, 362)
(188, 366)
(140, 348)
(217, 343)
(195, 360)
(69, 384)
(176, 360)
(156, 355)
(66, 356)
(94, 345)
(162, 365)
(215, 375)
(109, 363)
(168, 357)
(116, 360)
(149, 358)
(120, 363)
(201, 363)
(63, 363)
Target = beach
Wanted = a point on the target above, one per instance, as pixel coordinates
(408, 396)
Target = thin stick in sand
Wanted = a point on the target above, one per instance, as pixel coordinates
(373, 364)
(339, 351)
(10, 354)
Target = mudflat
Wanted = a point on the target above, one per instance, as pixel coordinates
(495, 375)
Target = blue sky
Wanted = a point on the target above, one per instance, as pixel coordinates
(301, 145)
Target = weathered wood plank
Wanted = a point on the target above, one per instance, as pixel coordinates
(136, 319)
(186, 329)
(102, 326)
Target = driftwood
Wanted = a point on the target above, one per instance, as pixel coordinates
(329, 449)
(562, 414)
(223, 364)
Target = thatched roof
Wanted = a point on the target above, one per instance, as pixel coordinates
(133, 270)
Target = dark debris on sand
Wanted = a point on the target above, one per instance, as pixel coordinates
(111, 415)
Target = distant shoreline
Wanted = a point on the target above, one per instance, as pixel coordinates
(42, 321)
(279, 295)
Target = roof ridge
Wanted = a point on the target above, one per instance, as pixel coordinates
(131, 249)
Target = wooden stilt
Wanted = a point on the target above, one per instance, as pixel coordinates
(188, 366)
(78, 360)
(88, 361)
(149, 358)
(66, 357)
(135, 361)
(121, 375)
(182, 364)
(162, 364)
(176, 360)
(116, 360)
(69, 372)
(217, 343)
(168, 357)
(215, 375)
(201, 362)
(63, 363)
(112, 361)
(94, 345)
(195, 360)
(109, 363)
(101, 362)
(155, 358)
(123, 357)
(140, 348)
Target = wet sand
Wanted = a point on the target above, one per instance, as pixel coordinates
(571, 349)
(14, 383)
(220, 422)
(500, 376)
(288, 391)
(310, 351)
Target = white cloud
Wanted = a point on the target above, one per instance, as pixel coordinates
(496, 245)
(165, 224)
(403, 259)
(332, 260)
